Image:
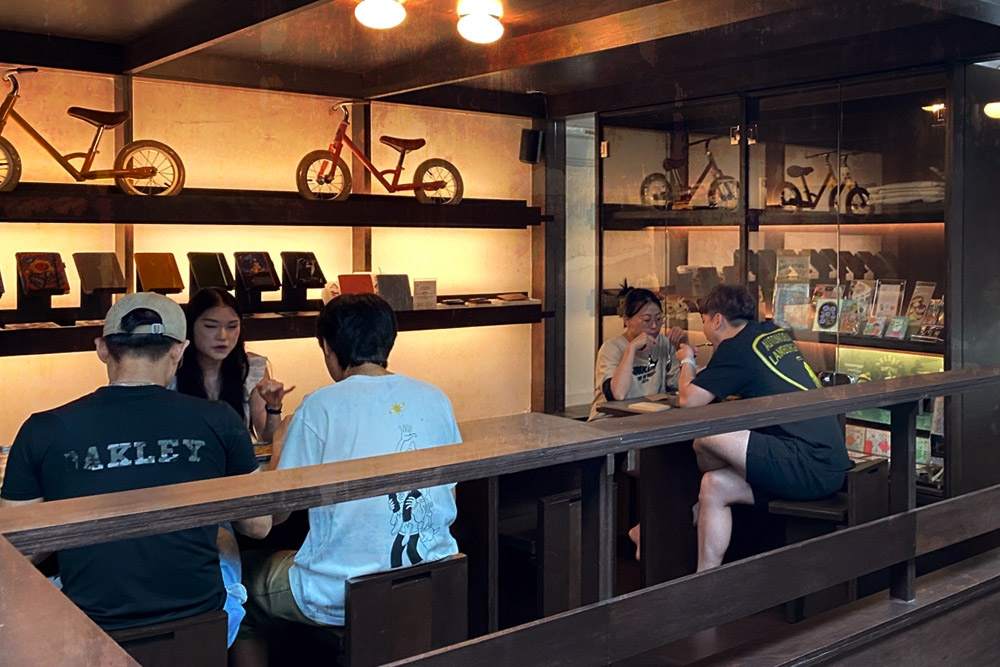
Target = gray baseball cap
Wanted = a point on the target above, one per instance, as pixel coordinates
(173, 325)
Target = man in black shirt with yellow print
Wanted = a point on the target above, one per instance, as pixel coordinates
(802, 460)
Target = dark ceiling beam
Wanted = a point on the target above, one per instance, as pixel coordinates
(82, 55)
(478, 100)
(986, 11)
(209, 23)
(920, 46)
(223, 71)
(644, 24)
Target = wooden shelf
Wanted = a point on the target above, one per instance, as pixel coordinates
(44, 202)
(890, 344)
(631, 217)
(272, 326)
(884, 215)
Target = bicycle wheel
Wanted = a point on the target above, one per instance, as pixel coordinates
(857, 201)
(437, 169)
(790, 196)
(724, 193)
(318, 178)
(168, 178)
(10, 166)
(655, 191)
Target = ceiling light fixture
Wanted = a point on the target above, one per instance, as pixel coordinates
(479, 20)
(992, 109)
(380, 14)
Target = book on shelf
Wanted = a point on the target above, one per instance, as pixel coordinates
(853, 315)
(827, 315)
(99, 272)
(923, 294)
(210, 269)
(395, 289)
(42, 273)
(888, 298)
(157, 272)
(897, 327)
(356, 283)
(255, 271)
(301, 269)
(791, 305)
(513, 296)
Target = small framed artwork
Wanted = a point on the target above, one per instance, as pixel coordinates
(827, 315)
(897, 327)
(862, 290)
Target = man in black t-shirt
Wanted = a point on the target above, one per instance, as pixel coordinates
(802, 460)
(135, 434)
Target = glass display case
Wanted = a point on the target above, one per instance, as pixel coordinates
(672, 205)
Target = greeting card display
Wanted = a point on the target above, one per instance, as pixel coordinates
(791, 305)
(827, 315)
(923, 293)
(853, 315)
(827, 291)
(157, 272)
(931, 328)
(897, 327)
(888, 298)
(862, 290)
(875, 326)
(41, 273)
(791, 266)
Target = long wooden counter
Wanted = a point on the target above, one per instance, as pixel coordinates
(595, 634)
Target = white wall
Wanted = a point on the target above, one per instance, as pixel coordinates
(245, 139)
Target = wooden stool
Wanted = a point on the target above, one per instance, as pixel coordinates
(865, 497)
(196, 641)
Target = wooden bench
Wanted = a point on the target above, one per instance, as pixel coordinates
(196, 641)
(864, 497)
(390, 616)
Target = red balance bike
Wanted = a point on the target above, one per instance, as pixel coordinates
(323, 174)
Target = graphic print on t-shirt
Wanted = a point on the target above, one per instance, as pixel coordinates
(782, 357)
(412, 511)
(645, 371)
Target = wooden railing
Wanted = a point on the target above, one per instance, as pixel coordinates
(611, 629)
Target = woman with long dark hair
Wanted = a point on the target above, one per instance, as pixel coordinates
(217, 366)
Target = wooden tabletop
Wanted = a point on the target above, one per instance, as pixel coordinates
(54, 632)
(625, 408)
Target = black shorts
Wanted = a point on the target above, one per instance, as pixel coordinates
(783, 468)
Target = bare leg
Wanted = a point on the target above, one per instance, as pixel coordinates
(633, 535)
(719, 489)
(719, 451)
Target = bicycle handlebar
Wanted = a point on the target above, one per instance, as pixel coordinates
(705, 141)
(8, 75)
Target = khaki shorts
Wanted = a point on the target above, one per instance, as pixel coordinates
(270, 601)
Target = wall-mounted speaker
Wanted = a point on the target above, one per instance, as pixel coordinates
(531, 146)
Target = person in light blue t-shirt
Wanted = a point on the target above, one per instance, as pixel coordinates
(368, 411)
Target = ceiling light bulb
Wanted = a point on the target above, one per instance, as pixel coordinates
(934, 108)
(992, 109)
(380, 14)
(479, 20)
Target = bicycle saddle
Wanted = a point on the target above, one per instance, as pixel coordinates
(107, 119)
(402, 144)
(672, 164)
(795, 171)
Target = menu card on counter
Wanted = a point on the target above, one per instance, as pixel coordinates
(425, 294)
